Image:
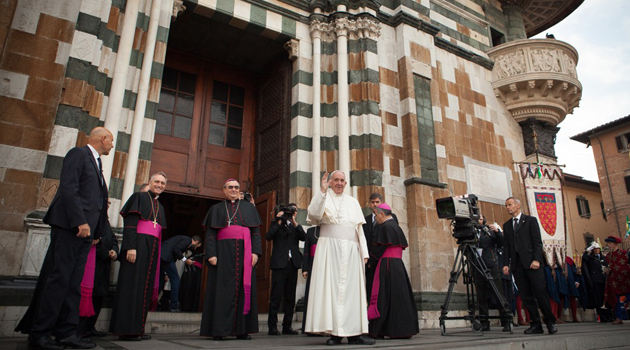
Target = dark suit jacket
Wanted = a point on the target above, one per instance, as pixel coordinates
(369, 231)
(285, 238)
(526, 241)
(490, 242)
(80, 198)
(592, 268)
(175, 247)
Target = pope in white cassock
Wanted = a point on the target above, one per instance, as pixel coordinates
(337, 298)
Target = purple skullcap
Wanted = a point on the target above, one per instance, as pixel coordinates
(385, 206)
(230, 179)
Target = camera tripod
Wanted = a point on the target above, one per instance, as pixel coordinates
(467, 261)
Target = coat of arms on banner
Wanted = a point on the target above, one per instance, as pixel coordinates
(546, 207)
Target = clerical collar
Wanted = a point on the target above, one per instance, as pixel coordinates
(153, 195)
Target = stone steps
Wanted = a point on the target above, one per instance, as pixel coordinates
(189, 322)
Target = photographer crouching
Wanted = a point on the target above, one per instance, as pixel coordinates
(489, 239)
(285, 261)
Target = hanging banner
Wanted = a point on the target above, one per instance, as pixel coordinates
(543, 188)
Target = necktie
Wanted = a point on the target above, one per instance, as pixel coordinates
(100, 168)
(515, 224)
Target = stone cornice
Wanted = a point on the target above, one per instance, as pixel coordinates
(461, 52)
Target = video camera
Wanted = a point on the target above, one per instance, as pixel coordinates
(463, 212)
(287, 213)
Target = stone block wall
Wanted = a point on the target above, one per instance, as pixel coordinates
(35, 40)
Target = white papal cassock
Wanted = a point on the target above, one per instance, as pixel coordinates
(337, 302)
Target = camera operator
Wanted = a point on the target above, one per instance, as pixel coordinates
(286, 259)
(489, 239)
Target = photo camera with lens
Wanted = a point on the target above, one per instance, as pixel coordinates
(463, 212)
(287, 212)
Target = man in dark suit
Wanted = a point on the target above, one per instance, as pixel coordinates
(523, 256)
(285, 261)
(173, 249)
(369, 230)
(76, 215)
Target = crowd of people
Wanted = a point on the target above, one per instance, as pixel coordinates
(357, 286)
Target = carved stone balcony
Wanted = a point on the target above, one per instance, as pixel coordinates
(536, 78)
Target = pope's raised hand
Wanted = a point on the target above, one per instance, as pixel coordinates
(324, 187)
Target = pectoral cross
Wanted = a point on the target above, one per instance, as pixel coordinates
(154, 223)
(229, 223)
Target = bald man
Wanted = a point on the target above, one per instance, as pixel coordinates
(77, 216)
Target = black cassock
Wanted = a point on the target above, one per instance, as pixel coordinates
(310, 244)
(396, 305)
(224, 299)
(135, 290)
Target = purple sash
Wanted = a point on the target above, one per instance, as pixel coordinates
(240, 232)
(146, 227)
(390, 252)
(313, 250)
(86, 308)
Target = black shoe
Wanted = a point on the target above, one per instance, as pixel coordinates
(506, 328)
(244, 337)
(485, 328)
(334, 340)
(362, 340)
(534, 330)
(273, 331)
(95, 333)
(130, 338)
(145, 337)
(551, 328)
(75, 342)
(289, 331)
(217, 338)
(44, 343)
(175, 310)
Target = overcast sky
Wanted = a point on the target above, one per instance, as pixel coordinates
(599, 30)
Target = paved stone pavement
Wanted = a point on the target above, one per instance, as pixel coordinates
(572, 336)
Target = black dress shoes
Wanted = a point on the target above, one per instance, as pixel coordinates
(506, 328)
(130, 338)
(551, 328)
(244, 337)
(289, 331)
(145, 337)
(273, 331)
(217, 338)
(485, 328)
(361, 340)
(76, 342)
(534, 330)
(44, 343)
(95, 333)
(334, 340)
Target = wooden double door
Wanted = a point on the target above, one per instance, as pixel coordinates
(204, 126)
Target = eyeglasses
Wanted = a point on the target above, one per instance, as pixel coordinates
(233, 187)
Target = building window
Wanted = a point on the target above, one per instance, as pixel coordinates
(623, 142)
(426, 130)
(588, 239)
(627, 180)
(604, 208)
(497, 37)
(583, 208)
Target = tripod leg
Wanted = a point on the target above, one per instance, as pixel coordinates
(458, 268)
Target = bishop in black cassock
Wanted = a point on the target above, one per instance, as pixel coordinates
(136, 293)
(392, 311)
(232, 249)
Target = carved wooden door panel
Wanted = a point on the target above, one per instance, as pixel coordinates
(204, 126)
(264, 206)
